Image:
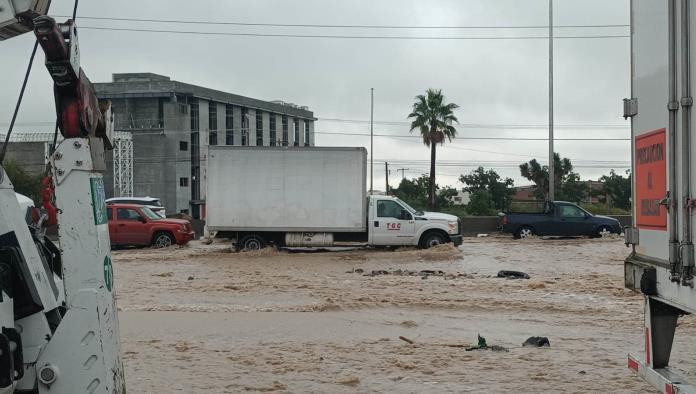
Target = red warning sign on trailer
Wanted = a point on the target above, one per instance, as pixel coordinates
(651, 180)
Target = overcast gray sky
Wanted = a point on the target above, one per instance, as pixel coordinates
(495, 82)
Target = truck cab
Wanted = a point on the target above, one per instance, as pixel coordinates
(393, 222)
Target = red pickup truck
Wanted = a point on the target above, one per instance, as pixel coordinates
(131, 224)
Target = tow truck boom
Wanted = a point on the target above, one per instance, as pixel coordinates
(58, 317)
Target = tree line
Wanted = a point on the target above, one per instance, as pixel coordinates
(489, 193)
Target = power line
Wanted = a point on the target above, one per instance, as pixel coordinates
(488, 126)
(252, 132)
(492, 126)
(208, 33)
(308, 25)
(478, 138)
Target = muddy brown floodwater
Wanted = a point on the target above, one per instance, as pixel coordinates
(200, 319)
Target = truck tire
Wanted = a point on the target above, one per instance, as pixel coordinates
(524, 232)
(251, 242)
(432, 238)
(162, 239)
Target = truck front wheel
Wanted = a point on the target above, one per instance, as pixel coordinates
(251, 242)
(432, 238)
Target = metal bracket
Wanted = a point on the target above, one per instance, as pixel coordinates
(630, 107)
(673, 105)
(631, 236)
(666, 201)
(687, 101)
(7, 12)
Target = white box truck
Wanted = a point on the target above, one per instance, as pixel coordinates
(310, 197)
(661, 265)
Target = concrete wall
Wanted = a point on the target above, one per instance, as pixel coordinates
(177, 128)
(266, 128)
(237, 125)
(31, 156)
(251, 127)
(204, 126)
(138, 113)
(149, 149)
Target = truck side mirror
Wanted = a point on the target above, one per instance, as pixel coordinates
(142, 219)
(405, 215)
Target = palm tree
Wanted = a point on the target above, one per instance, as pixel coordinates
(434, 119)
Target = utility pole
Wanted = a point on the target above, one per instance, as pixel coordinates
(403, 172)
(372, 152)
(552, 176)
(386, 175)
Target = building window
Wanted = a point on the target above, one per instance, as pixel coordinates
(296, 132)
(229, 125)
(160, 112)
(194, 116)
(272, 129)
(183, 182)
(195, 160)
(306, 133)
(259, 128)
(183, 146)
(245, 126)
(212, 124)
(285, 130)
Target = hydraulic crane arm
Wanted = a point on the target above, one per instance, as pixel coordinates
(58, 318)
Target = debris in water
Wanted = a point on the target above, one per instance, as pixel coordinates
(406, 339)
(512, 275)
(164, 274)
(481, 235)
(409, 323)
(537, 342)
(190, 278)
(482, 345)
(349, 380)
(424, 274)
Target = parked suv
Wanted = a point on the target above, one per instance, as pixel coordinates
(131, 224)
(153, 203)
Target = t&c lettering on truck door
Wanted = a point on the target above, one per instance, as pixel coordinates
(651, 180)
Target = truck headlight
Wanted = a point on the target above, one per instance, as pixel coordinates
(452, 227)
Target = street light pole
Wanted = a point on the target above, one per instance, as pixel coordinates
(552, 177)
(372, 155)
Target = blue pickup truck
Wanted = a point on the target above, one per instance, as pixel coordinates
(558, 218)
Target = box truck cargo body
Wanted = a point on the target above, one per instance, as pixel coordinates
(661, 265)
(309, 196)
(317, 189)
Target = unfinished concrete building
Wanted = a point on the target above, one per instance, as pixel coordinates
(173, 123)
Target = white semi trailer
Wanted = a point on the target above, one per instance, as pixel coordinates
(661, 265)
(310, 197)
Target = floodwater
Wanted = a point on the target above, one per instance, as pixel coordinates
(200, 319)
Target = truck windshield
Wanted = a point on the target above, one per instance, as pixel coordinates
(150, 215)
(410, 208)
